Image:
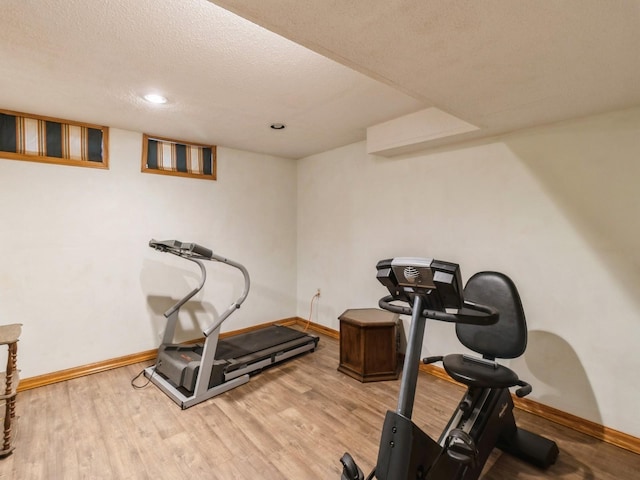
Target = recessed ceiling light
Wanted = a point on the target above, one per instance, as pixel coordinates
(278, 126)
(155, 98)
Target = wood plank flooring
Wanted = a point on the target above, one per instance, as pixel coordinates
(292, 421)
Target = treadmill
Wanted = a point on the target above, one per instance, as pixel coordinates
(190, 374)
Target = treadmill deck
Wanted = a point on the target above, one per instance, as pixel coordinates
(249, 343)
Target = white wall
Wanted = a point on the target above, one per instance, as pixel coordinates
(556, 208)
(76, 270)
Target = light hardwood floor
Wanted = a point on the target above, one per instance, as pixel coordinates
(293, 421)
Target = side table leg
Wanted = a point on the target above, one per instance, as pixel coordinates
(10, 402)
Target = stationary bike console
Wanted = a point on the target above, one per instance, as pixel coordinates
(439, 285)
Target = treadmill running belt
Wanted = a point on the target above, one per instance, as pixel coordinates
(252, 342)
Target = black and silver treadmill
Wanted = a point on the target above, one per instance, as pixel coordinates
(190, 374)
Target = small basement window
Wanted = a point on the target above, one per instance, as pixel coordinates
(52, 140)
(178, 158)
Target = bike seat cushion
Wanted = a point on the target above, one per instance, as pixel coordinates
(474, 374)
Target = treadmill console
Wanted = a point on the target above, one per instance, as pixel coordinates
(164, 245)
(438, 282)
(181, 249)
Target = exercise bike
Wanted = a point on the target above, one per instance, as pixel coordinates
(489, 320)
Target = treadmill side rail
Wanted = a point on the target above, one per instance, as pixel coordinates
(271, 360)
(186, 401)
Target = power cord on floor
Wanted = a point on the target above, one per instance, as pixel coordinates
(153, 372)
(317, 295)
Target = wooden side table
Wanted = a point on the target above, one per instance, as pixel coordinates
(368, 344)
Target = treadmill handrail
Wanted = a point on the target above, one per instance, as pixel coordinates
(235, 305)
(189, 295)
(470, 313)
(194, 253)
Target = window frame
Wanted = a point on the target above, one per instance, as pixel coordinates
(32, 157)
(202, 176)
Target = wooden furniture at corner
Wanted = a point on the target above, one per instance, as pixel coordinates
(9, 335)
(368, 344)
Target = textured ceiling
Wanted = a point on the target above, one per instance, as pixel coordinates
(497, 64)
(226, 78)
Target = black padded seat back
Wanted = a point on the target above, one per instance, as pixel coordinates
(508, 337)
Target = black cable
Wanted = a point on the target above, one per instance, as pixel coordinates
(138, 376)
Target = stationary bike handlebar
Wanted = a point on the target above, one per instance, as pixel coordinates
(435, 284)
(471, 313)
